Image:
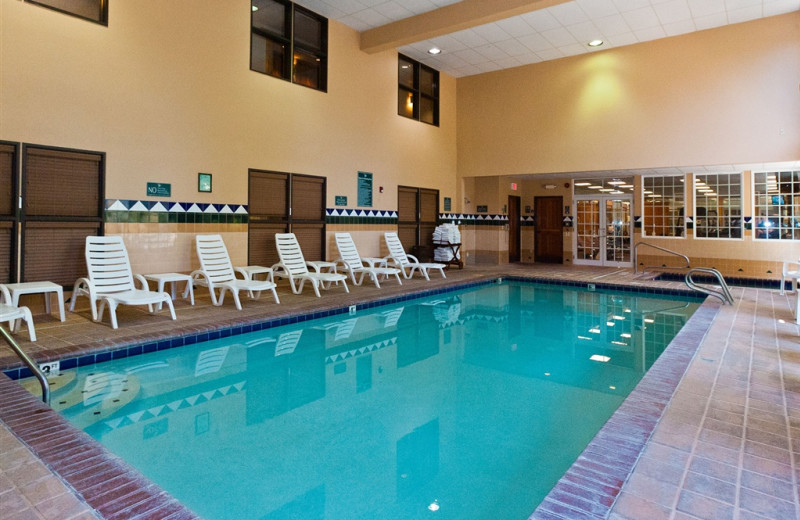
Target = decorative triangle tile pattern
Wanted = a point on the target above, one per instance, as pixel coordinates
(180, 404)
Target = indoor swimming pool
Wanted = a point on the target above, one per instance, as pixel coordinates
(466, 404)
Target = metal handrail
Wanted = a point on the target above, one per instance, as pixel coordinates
(664, 249)
(724, 293)
(30, 364)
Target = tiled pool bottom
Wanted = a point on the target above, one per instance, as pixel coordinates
(594, 481)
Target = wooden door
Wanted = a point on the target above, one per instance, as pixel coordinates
(513, 228)
(549, 243)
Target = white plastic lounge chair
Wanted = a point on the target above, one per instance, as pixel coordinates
(353, 262)
(405, 262)
(790, 270)
(13, 314)
(217, 272)
(112, 282)
(294, 267)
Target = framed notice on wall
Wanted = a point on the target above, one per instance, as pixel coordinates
(365, 189)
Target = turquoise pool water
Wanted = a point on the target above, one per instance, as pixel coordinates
(470, 404)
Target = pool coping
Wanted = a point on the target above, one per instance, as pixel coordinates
(117, 490)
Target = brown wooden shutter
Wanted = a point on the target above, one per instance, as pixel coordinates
(311, 238)
(308, 198)
(54, 251)
(428, 215)
(62, 184)
(7, 181)
(62, 205)
(261, 238)
(267, 194)
(8, 198)
(269, 213)
(6, 250)
(406, 204)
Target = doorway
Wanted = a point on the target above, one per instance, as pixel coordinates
(549, 241)
(603, 230)
(513, 228)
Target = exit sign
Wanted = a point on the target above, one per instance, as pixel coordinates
(513, 186)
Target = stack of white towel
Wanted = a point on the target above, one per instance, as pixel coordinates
(446, 233)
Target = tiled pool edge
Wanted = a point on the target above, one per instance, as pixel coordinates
(106, 483)
(116, 490)
(590, 487)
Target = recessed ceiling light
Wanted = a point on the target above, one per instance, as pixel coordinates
(595, 43)
(434, 51)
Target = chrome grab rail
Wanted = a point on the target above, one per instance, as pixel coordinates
(723, 293)
(30, 364)
(664, 249)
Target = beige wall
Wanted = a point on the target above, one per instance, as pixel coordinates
(719, 96)
(166, 91)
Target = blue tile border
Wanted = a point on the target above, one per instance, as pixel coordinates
(191, 339)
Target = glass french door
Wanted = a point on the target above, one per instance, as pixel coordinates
(603, 230)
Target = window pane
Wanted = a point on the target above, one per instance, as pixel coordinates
(405, 73)
(718, 205)
(405, 103)
(270, 16)
(427, 81)
(90, 9)
(663, 206)
(776, 206)
(308, 70)
(308, 31)
(427, 110)
(267, 56)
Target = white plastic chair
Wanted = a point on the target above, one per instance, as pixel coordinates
(217, 272)
(353, 262)
(790, 270)
(111, 280)
(404, 261)
(13, 314)
(294, 267)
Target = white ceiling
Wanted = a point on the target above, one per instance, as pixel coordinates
(551, 33)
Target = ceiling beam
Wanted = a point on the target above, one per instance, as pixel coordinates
(446, 20)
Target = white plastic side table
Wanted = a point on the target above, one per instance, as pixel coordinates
(252, 270)
(173, 279)
(44, 288)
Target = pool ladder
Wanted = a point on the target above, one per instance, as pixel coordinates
(28, 363)
(722, 292)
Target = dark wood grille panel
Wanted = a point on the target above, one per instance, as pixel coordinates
(271, 195)
(406, 205)
(7, 177)
(267, 195)
(308, 198)
(6, 241)
(62, 184)
(54, 251)
(428, 205)
(262, 243)
(408, 235)
(311, 238)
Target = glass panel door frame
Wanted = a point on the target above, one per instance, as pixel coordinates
(603, 230)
